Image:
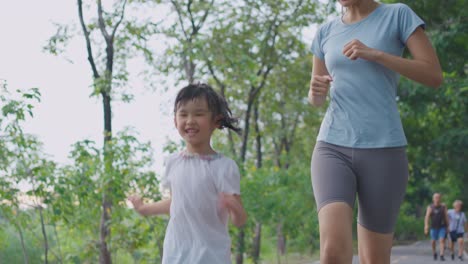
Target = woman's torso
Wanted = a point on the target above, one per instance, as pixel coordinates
(363, 109)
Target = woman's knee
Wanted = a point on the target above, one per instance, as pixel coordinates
(336, 252)
(336, 244)
(374, 248)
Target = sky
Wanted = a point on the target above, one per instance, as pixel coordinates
(66, 113)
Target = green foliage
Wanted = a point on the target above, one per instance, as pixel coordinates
(132, 35)
(435, 120)
(57, 206)
(409, 227)
(10, 245)
(447, 26)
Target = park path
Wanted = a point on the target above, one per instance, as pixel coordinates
(416, 253)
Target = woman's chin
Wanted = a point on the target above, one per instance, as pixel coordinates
(347, 3)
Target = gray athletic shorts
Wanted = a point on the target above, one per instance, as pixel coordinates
(378, 176)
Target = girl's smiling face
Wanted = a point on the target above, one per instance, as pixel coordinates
(195, 123)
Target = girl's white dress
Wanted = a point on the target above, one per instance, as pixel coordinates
(197, 231)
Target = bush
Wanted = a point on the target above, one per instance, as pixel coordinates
(10, 246)
(409, 228)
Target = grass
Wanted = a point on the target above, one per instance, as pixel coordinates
(269, 254)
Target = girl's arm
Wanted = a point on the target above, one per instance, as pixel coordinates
(236, 210)
(424, 67)
(319, 83)
(156, 208)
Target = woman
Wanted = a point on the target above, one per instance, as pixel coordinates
(457, 222)
(361, 144)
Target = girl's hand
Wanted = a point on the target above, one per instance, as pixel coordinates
(355, 49)
(319, 85)
(230, 202)
(233, 204)
(136, 201)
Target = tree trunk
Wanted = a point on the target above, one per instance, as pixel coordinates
(44, 234)
(258, 137)
(104, 229)
(258, 225)
(105, 90)
(257, 242)
(281, 239)
(240, 246)
(23, 246)
(189, 67)
(58, 244)
(245, 134)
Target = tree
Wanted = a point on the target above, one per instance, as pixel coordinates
(186, 30)
(22, 162)
(119, 39)
(256, 36)
(260, 36)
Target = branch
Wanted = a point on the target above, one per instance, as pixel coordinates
(269, 67)
(293, 14)
(192, 20)
(213, 74)
(257, 89)
(88, 41)
(270, 28)
(293, 130)
(222, 87)
(231, 143)
(202, 21)
(275, 31)
(39, 239)
(102, 24)
(276, 23)
(179, 15)
(120, 20)
(277, 152)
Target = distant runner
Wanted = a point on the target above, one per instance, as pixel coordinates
(457, 222)
(437, 214)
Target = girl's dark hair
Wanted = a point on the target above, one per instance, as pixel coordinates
(216, 103)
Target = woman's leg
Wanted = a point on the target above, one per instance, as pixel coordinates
(374, 248)
(336, 237)
(334, 184)
(382, 177)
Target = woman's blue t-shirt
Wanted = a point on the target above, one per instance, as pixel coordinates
(363, 110)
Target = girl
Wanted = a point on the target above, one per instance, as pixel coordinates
(204, 184)
(360, 148)
(457, 222)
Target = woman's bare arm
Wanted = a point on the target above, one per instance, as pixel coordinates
(319, 83)
(424, 67)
